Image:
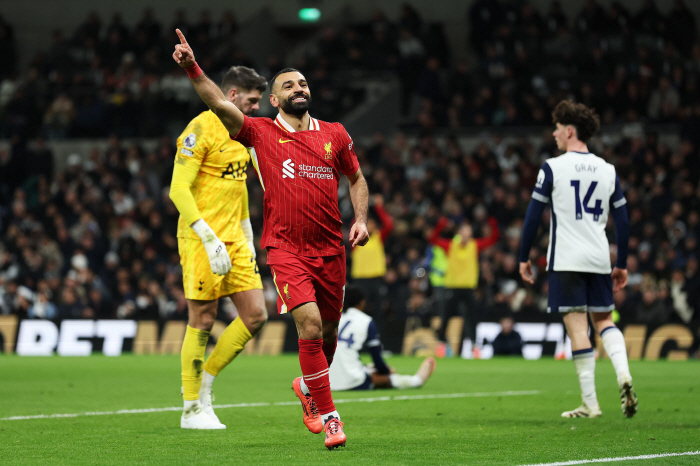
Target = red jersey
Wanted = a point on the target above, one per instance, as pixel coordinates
(300, 172)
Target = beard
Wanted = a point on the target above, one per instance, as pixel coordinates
(296, 108)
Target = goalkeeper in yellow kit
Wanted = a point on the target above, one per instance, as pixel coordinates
(215, 240)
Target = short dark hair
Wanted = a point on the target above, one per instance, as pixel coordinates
(584, 119)
(243, 78)
(353, 297)
(284, 70)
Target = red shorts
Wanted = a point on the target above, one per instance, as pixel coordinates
(302, 280)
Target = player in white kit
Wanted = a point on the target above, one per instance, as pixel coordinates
(582, 191)
(356, 332)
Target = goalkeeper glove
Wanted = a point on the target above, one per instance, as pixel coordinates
(219, 260)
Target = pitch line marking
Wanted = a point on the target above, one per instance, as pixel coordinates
(619, 458)
(278, 403)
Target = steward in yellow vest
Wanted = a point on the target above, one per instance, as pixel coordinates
(461, 278)
(463, 250)
(369, 262)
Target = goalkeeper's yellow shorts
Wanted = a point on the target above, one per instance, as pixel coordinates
(202, 284)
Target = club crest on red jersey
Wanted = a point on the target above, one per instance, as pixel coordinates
(329, 151)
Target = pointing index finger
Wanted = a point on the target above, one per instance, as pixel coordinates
(183, 41)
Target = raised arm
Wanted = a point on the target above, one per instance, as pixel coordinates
(384, 217)
(483, 243)
(359, 194)
(230, 116)
(435, 239)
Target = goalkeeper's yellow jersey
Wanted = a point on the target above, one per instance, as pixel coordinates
(209, 179)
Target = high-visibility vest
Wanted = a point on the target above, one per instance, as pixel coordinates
(369, 260)
(438, 265)
(462, 264)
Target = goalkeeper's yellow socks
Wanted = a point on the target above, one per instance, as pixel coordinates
(192, 360)
(230, 343)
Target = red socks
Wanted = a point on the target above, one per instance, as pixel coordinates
(314, 367)
(329, 351)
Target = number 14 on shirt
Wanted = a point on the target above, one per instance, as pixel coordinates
(597, 208)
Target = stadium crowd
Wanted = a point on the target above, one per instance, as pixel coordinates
(104, 79)
(97, 239)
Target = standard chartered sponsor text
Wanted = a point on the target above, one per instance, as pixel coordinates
(314, 171)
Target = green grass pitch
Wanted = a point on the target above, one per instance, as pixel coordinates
(484, 427)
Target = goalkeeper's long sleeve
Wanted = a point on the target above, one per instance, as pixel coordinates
(181, 195)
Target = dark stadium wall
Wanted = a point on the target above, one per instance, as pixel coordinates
(34, 20)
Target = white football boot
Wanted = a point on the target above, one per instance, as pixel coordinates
(206, 397)
(194, 417)
(584, 411)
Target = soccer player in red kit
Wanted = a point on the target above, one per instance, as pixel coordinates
(299, 160)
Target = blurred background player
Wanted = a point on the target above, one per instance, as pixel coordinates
(299, 161)
(215, 240)
(369, 262)
(461, 278)
(358, 331)
(582, 190)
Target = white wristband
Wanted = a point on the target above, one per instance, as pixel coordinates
(248, 233)
(247, 228)
(203, 230)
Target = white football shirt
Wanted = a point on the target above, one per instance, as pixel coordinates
(347, 370)
(581, 188)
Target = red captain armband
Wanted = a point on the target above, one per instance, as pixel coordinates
(194, 71)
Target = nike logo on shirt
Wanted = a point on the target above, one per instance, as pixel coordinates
(282, 141)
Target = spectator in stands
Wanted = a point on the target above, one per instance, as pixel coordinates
(462, 275)
(652, 310)
(664, 102)
(59, 117)
(436, 264)
(508, 342)
(42, 308)
(369, 263)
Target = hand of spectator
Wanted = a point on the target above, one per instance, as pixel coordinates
(526, 272)
(183, 54)
(619, 278)
(359, 234)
